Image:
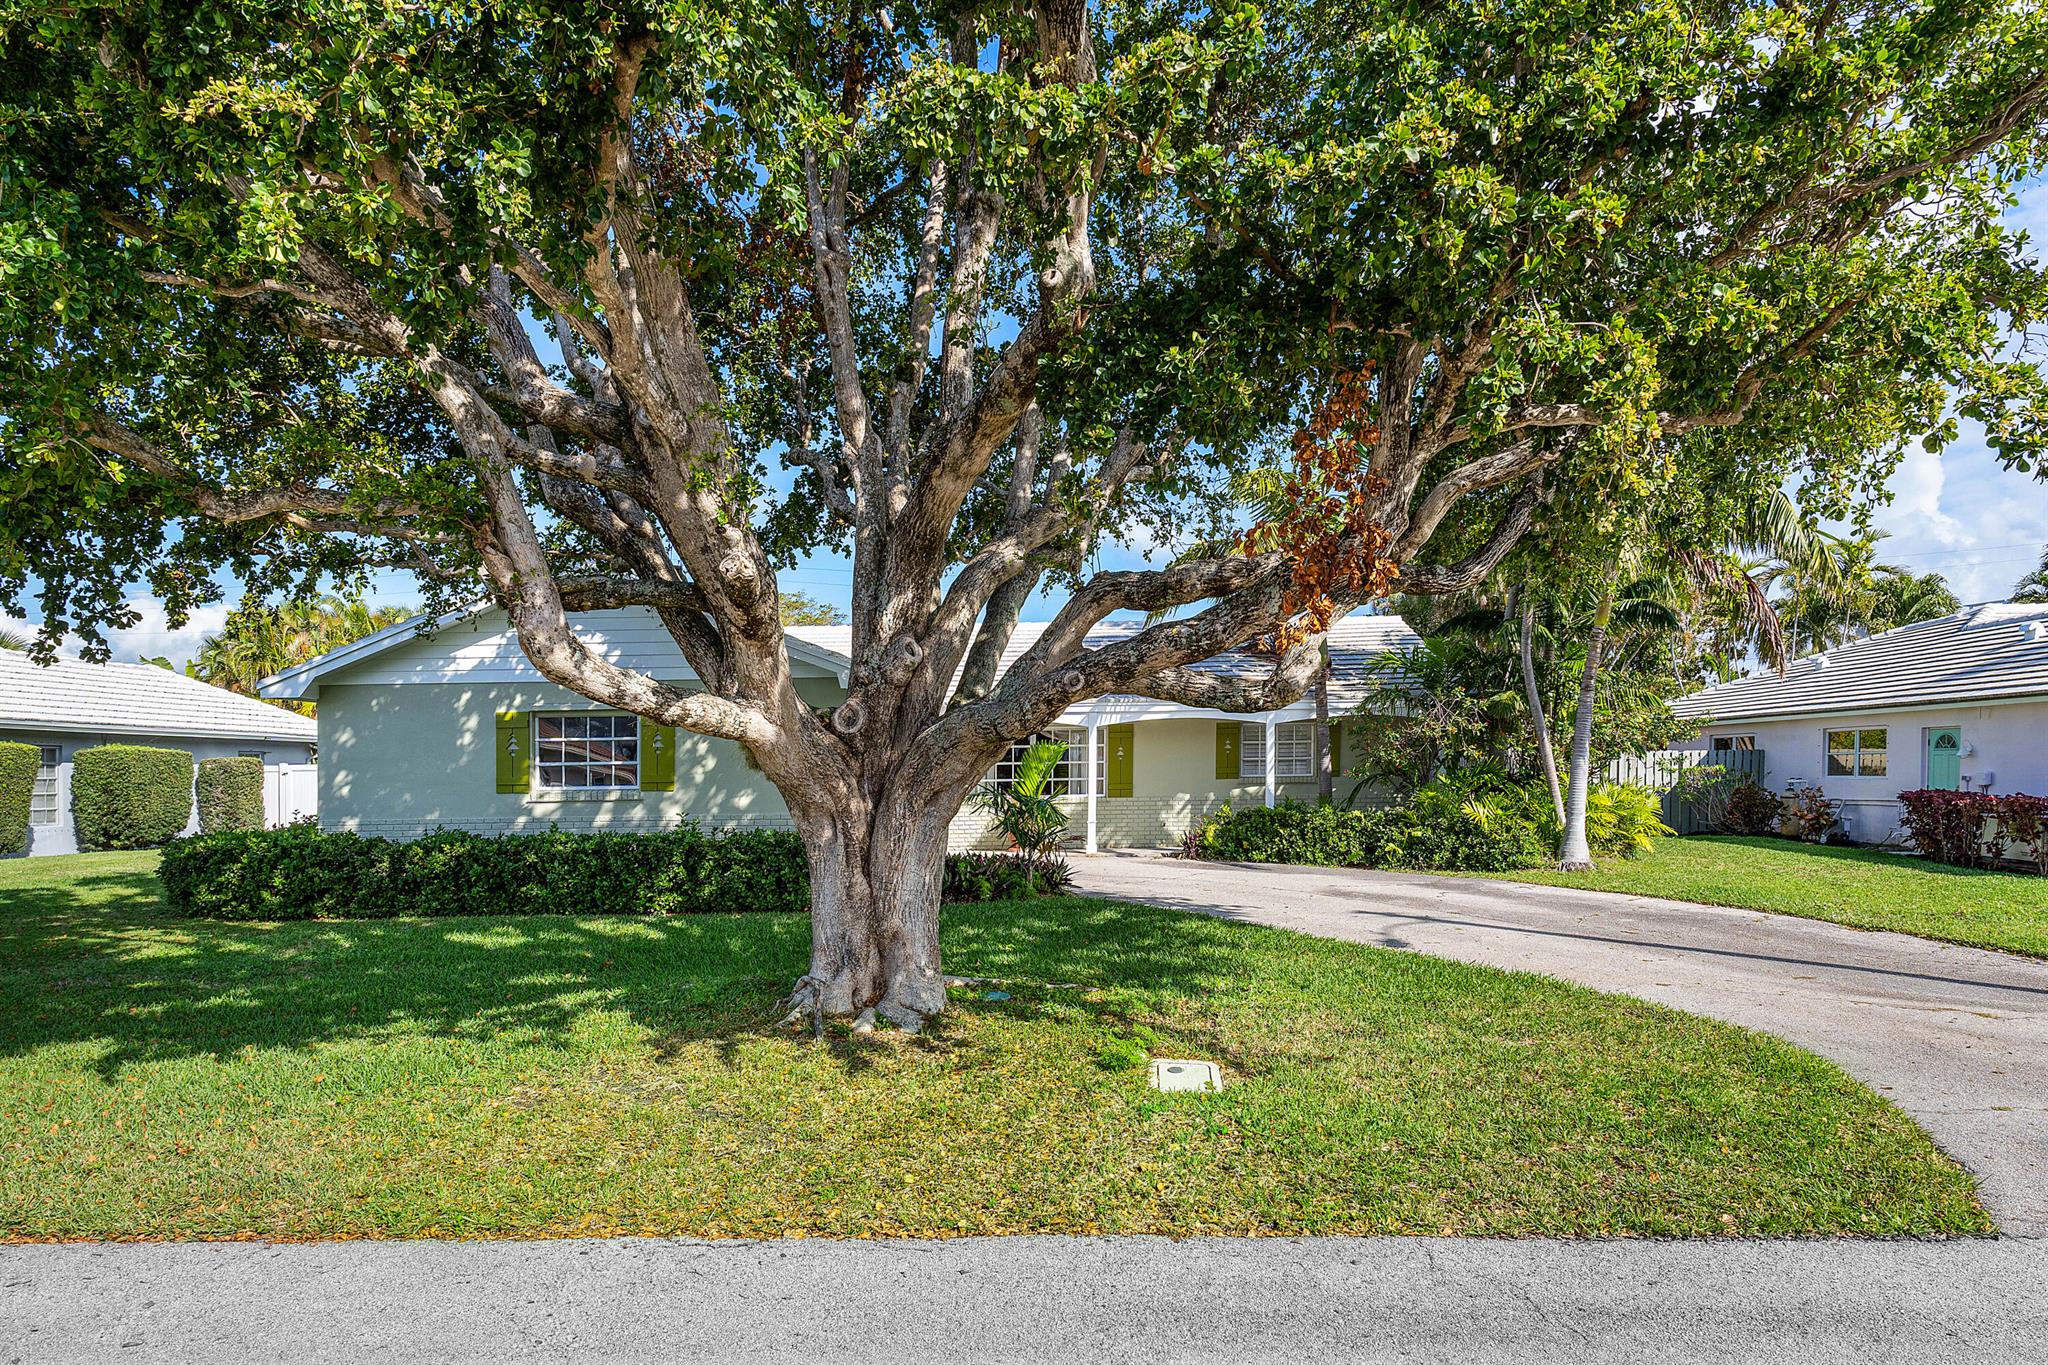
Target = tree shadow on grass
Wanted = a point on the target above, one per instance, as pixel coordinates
(97, 960)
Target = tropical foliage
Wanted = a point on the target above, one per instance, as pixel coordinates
(2034, 587)
(258, 641)
(1026, 810)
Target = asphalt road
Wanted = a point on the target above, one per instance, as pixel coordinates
(1085, 1300)
(1957, 1037)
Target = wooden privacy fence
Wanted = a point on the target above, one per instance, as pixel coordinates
(1690, 807)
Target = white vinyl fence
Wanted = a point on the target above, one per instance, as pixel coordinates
(291, 791)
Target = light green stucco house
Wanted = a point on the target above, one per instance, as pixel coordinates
(446, 724)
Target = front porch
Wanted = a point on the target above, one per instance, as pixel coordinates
(1140, 774)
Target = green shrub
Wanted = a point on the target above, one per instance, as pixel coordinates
(18, 764)
(1289, 832)
(130, 795)
(299, 872)
(1003, 877)
(230, 794)
(1752, 810)
(1447, 826)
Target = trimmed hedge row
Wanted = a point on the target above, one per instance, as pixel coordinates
(18, 764)
(298, 872)
(130, 795)
(230, 794)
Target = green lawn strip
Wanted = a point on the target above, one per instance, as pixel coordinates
(554, 1076)
(1858, 887)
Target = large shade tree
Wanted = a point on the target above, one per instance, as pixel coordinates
(587, 307)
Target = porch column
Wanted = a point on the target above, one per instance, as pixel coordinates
(1272, 754)
(1088, 776)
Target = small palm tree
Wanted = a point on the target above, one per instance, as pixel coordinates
(1026, 810)
(12, 639)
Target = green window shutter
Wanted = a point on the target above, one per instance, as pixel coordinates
(657, 757)
(1227, 737)
(515, 758)
(1123, 742)
(1336, 748)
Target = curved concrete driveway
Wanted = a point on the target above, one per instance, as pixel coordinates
(1957, 1037)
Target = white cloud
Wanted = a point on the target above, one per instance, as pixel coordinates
(1966, 517)
(152, 635)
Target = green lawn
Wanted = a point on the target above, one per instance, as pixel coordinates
(1853, 886)
(545, 1077)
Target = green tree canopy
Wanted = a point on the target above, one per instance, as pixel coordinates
(580, 307)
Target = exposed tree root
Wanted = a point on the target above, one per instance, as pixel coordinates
(807, 1001)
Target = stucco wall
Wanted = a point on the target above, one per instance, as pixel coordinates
(401, 760)
(60, 837)
(2010, 745)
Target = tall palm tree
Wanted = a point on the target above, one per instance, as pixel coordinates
(1771, 525)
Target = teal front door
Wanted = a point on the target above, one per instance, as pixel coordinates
(1945, 759)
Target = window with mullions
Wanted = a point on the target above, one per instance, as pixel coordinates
(587, 752)
(1857, 753)
(42, 800)
(1066, 774)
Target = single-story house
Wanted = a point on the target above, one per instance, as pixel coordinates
(446, 723)
(70, 705)
(1959, 703)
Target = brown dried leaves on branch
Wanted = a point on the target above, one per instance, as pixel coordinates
(1326, 522)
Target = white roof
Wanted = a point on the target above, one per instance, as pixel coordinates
(1994, 652)
(134, 699)
(479, 639)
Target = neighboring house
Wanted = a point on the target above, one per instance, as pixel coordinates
(1960, 703)
(71, 705)
(447, 723)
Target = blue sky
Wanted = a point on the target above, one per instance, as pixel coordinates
(1958, 513)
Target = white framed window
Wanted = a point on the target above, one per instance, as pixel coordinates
(1858, 753)
(582, 751)
(1294, 747)
(42, 799)
(251, 753)
(1730, 744)
(1066, 774)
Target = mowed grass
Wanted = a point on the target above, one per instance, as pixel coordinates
(542, 1077)
(1858, 887)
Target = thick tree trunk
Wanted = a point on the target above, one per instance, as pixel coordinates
(1576, 854)
(1538, 719)
(875, 881)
